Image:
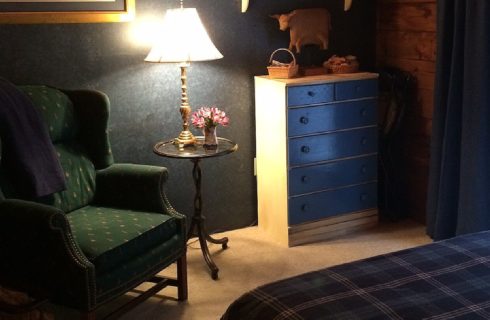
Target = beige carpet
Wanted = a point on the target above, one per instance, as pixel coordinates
(253, 260)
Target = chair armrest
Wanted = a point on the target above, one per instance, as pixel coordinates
(38, 254)
(132, 186)
(28, 214)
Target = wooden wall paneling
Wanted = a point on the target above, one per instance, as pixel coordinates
(384, 2)
(412, 45)
(425, 80)
(425, 103)
(406, 39)
(418, 16)
(411, 65)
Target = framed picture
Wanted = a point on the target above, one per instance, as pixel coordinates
(65, 11)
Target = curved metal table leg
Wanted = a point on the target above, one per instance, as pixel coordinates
(223, 241)
(207, 256)
(198, 223)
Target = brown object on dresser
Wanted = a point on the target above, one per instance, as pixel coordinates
(280, 70)
(307, 26)
(347, 64)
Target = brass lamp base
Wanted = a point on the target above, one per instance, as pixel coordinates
(185, 138)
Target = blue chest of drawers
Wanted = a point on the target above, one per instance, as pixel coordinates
(316, 160)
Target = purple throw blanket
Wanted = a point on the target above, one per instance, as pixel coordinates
(28, 156)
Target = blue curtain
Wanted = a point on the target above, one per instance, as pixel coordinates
(459, 182)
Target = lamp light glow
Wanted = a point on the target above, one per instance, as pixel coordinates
(183, 39)
(144, 30)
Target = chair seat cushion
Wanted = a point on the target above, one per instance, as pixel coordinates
(110, 237)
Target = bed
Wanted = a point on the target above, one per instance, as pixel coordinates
(449, 279)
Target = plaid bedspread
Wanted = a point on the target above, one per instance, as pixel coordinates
(444, 280)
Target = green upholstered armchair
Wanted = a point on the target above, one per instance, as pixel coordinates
(110, 230)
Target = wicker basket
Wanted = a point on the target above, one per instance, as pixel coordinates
(343, 68)
(347, 66)
(287, 71)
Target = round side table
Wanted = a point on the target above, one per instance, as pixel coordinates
(195, 153)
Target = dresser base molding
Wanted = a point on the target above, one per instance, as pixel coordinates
(332, 227)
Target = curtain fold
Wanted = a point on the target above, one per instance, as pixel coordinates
(459, 183)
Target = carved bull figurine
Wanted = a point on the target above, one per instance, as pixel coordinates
(307, 26)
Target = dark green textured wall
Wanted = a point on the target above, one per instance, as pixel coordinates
(145, 97)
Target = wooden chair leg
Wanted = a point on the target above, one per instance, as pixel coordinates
(182, 277)
(88, 315)
(181, 290)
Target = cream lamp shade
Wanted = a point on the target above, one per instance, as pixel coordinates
(183, 39)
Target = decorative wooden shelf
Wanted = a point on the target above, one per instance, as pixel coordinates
(347, 5)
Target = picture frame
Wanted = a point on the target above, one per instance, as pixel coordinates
(65, 11)
(347, 5)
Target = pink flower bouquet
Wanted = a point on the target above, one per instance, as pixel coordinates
(208, 117)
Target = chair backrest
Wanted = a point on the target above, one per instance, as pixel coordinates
(77, 125)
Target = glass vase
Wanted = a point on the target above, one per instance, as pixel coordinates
(210, 138)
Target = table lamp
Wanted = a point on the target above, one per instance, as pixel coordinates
(183, 39)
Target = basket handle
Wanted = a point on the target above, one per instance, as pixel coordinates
(283, 49)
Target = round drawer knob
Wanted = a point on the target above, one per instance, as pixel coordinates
(364, 141)
(305, 207)
(363, 169)
(363, 112)
(305, 179)
(305, 149)
(364, 197)
(311, 93)
(304, 120)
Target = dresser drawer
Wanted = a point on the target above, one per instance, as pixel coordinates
(332, 175)
(330, 203)
(312, 94)
(331, 117)
(332, 146)
(356, 89)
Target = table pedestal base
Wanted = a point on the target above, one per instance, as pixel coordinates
(195, 152)
(197, 224)
(204, 237)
